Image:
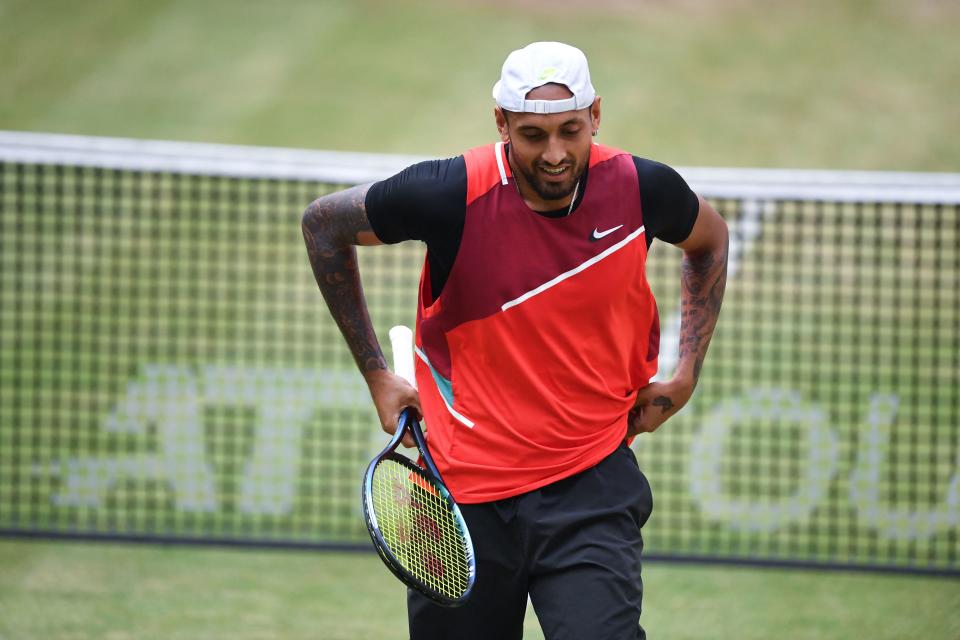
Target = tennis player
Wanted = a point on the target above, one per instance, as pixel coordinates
(536, 340)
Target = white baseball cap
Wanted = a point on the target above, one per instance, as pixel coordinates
(542, 63)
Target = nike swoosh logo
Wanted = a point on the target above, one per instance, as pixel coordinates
(597, 234)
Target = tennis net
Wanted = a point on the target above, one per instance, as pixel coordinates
(169, 371)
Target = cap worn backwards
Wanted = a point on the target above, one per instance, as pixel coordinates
(543, 63)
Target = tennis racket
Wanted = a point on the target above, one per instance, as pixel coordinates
(413, 520)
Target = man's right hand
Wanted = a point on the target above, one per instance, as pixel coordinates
(392, 394)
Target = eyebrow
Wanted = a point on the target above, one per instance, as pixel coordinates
(572, 121)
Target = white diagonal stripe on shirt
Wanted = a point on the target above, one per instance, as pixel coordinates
(580, 267)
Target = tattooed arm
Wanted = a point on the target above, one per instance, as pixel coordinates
(703, 278)
(331, 226)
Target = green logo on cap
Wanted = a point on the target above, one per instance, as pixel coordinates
(546, 73)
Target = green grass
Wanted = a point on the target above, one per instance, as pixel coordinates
(855, 84)
(74, 591)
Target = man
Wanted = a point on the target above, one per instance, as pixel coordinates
(537, 337)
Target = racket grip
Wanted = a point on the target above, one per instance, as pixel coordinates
(401, 340)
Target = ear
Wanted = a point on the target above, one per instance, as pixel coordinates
(595, 113)
(502, 126)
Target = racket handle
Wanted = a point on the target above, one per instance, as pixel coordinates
(401, 340)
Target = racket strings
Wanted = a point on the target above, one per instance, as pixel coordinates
(420, 529)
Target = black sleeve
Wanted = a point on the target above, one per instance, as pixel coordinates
(420, 203)
(669, 206)
(427, 202)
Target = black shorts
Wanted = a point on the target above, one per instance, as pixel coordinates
(573, 547)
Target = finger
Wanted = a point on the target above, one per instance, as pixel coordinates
(633, 420)
(389, 427)
(390, 419)
(414, 402)
(640, 421)
(647, 419)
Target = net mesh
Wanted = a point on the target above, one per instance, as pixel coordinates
(420, 529)
(168, 369)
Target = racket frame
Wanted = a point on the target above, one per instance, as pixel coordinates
(408, 422)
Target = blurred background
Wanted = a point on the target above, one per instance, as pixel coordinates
(169, 373)
(854, 84)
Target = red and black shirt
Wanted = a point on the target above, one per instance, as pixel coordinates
(534, 330)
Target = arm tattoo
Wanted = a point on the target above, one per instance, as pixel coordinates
(331, 226)
(665, 403)
(703, 279)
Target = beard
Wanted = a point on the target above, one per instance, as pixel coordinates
(552, 190)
